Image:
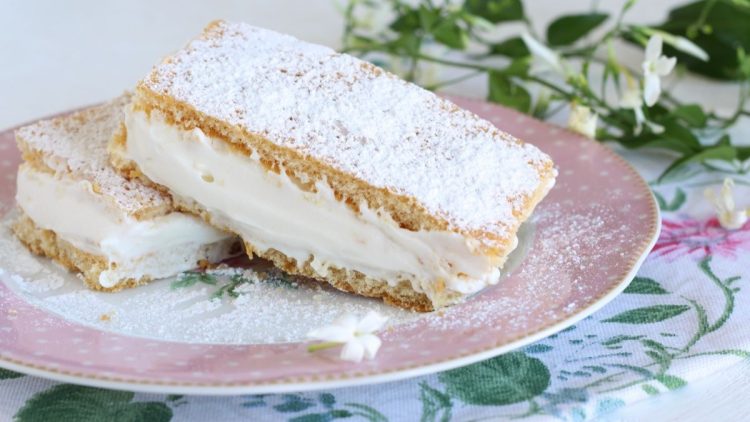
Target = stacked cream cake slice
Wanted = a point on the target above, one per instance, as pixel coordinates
(331, 167)
(322, 163)
(77, 210)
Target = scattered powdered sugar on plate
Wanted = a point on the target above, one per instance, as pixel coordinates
(562, 260)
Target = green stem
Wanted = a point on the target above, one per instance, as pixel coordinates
(458, 79)
(734, 352)
(705, 266)
(348, 23)
(606, 355)
(534, 409)
(604, 379)
(554, 111)
(740, 107)
(621, 387)
(465, 65)
(412, 73)
(703, 327)
(322, 346)
(695, 27)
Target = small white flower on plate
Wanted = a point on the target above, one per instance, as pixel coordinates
(357, 336)
(582, 120)
(655, 66)
(549, 58)
(729, 218)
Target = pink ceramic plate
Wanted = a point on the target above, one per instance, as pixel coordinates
(582, 247)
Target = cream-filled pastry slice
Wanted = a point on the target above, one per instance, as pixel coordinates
(76, 209)
(331, 167)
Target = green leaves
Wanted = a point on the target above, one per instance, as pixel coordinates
(512, 47)
(670, 381)
(436, 406)
(230, 289)
(675, 204)
(506, 379)
(503, 90)
(568, 29)
(645, 286)
(190, 278)
(537, 348)
(323, 417)
(449, 33)
(692, 114)
(721, 152)
(415, 23)
(723, 30)
(717, 26)
(6, 374)
(365, 412)
(294, 403)
(85, 404)
(648, 314)
(650, 390)
(496, 10)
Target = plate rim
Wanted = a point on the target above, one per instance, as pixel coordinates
(300, 384)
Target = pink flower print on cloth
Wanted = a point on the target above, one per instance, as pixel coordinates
(700, 238)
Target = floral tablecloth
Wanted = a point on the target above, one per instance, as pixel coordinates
(686, 315)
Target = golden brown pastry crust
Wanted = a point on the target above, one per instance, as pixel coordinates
(46, 243)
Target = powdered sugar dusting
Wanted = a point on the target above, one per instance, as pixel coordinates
(563, 263)
(349, 114)
(78, 143)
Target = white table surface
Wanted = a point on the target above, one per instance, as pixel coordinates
(57, 55)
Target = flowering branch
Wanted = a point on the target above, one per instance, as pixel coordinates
(543, 77)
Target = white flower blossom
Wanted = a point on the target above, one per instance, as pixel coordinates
(686, 46)
(680, 43)
(729, 218)
(582, 120)
(356, 335)
(549, 58)
(655, 66)
(633, 100)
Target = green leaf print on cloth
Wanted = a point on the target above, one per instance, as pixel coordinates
(648, 314)
(506, 379)
(310, 407)
(645, 286)
(6, 374)
(436, 406)
(675, 204)
(68, 402)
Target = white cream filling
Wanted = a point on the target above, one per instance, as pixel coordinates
(270, 211)
(158, 247)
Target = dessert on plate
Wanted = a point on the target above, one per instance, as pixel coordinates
(331, 167)
(76, 209)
